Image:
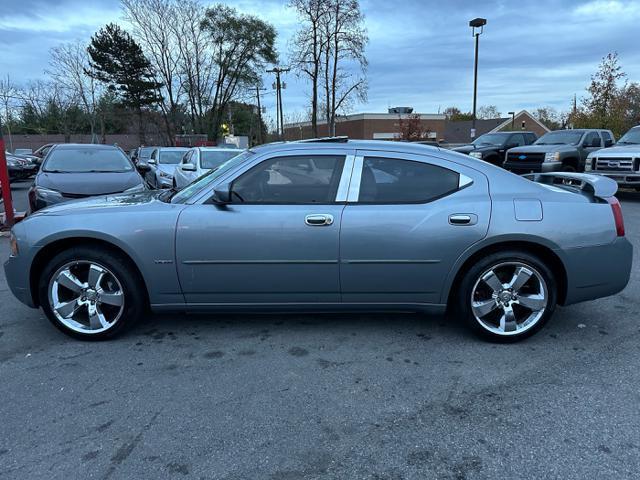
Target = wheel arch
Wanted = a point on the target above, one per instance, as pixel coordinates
(58, 245)
(530, 245)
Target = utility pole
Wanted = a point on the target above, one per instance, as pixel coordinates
(6, 186)
(259, 133)
(476, 23)
(279, 113)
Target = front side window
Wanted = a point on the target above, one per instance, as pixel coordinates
(517, 140)
(304, 179)
(592, 139)
(386, 180)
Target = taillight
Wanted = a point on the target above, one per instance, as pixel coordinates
(617, 215)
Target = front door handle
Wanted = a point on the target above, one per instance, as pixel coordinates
(463, 219)
(318, 219)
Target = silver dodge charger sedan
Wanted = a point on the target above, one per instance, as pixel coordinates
(326, 225)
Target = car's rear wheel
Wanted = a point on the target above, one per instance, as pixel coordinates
(507, 296)
(91, 294)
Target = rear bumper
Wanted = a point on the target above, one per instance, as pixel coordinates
(523, 167)
(596, 272)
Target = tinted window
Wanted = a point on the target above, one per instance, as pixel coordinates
(608, 138)
(212, 159)
(290, 180)
(517, 140)
(404, 181)
(491, 139)
(172, 157)
(87, 160)
(592, 139)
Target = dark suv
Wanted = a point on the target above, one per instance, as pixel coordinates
(558, 151)
(491, 147)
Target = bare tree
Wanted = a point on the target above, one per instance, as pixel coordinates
(154, 27)
(68, 67)
(488, 112)
(197, 64)
(8, 96)
(241, 46)
(307, 48)
(343, 57)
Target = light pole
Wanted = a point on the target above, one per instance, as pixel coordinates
(513, 119)
(279, 87)
(477, 27)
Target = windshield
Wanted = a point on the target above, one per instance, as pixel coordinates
(564, 137)
(210, 177)
(172, 157)
(211, 159)
(145, 152)
(491, 139)
(632, 137)
(83, 160)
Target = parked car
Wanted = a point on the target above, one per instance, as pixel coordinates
(558, 151)
(379, 226)
(200, 160)
(23, 151)
(491, 147)
(71, 171)
(142, 154)
(162, 163)
(620, 162)
(20, 168)
(42, 151)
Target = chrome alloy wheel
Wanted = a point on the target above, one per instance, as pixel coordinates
(509, 298)
(86, 297)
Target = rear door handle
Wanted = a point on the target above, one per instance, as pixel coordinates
(463, 219)
(318, 219)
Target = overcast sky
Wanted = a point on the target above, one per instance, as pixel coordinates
(532, 53)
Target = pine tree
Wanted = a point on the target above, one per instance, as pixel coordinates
(119, 62)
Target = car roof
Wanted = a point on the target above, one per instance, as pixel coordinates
(73, 146)
(379, 145)
(215, 149)
(172, 148)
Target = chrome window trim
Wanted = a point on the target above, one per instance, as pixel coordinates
(345, 179)
(356, 177)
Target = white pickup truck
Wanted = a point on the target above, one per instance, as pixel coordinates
(620, 162)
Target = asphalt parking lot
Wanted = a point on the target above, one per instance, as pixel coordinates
(394, 396)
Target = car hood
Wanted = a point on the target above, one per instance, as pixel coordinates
(88, 183)
(472, 148)
(618, 151)
(100, 202)
(169, 168)
(544, 148)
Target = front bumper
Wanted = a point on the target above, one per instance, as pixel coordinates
(521, 168)
(17, 275)
(625, 179)
(599, 271)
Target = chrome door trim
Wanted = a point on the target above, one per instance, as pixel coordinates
(356, 177)
(345, 179)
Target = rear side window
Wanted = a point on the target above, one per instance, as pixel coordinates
(387, 180)
(290, 180)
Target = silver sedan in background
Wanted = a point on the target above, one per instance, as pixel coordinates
(200, 160)
(330, 225)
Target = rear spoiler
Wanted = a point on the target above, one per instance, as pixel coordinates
(597, 185)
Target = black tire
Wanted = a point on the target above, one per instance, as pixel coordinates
(463, 299)
(135, 301)
(568, 168)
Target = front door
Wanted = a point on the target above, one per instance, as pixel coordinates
(408, 219)
(277, 242)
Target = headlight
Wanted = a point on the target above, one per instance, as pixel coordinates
(13, 242)
(588, 165)
(47, 194)
(136, 189)
(476, 154)
(552, 157)
(165, 175)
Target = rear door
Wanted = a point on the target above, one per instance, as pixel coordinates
(407, 220)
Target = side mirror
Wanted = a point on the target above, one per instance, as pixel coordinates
(151, 161)
(143, 167)
(188, 167)
(222, 194)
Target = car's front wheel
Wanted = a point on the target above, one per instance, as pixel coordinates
(91, 294)
(507, 296)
